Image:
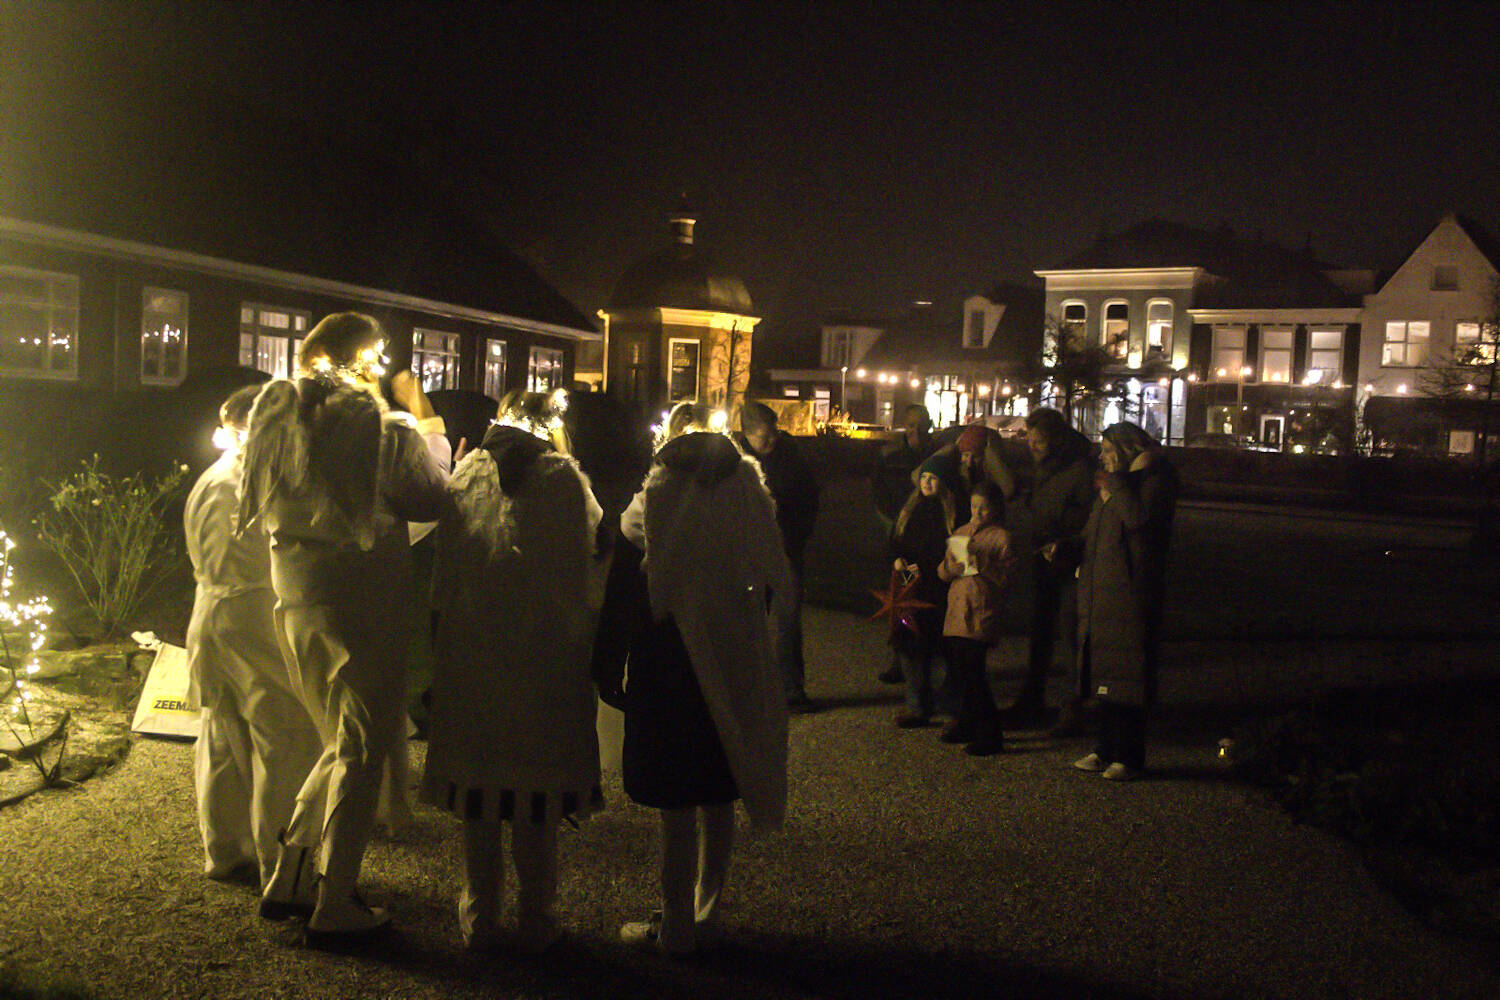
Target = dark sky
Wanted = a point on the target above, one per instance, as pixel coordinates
(846, 156)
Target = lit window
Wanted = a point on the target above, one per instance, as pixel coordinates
(1075, 322)
(1229, 353)
(545, 371)
(1159, 327)
(1405, 344)
(164, 323)
(1474, 344)
(494, 368)
(1114, 335)
(1276, 354)
(38, 323)
(682, 381)
(1325, 355)
(974, 329)
(434, 359)
(1445, 278)
(269, 338)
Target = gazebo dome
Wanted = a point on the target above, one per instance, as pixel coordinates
(680, 277)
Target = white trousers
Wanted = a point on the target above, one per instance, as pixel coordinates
(533, 849)
(256, 742)
(349, 671)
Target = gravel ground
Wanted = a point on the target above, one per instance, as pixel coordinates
(906, 870)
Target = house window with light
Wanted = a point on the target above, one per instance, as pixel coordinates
(1325, 357)
(1159, 327)
(164, 327)
(1229, 353)
(1474, 343)
(1075, 322)
(1114, 335)
(1276, 354)
(434, 359)
(494, 368)
(1405, 344)
(269, 338)
(38, 323)
(545, 369)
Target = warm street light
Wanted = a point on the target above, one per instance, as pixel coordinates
(860, 373)
(843, 385)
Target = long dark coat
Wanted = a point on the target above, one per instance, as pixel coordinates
(1121, 582)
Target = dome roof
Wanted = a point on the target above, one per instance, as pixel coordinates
(681, 277)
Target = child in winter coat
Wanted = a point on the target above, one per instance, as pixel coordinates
(977, 563)
(918, 540)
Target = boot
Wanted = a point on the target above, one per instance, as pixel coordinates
(292, 890)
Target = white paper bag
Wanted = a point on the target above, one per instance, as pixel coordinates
(165, 708)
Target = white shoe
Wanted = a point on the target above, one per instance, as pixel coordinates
(293, 888)
(343, 918)
(647, 934)
(1090, 762)
(1119, 772)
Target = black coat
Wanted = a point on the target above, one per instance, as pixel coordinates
(794, 488)
(1122, 582)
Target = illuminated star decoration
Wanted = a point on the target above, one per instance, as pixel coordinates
(897, 602)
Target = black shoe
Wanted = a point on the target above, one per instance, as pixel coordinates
(891, 675)
(986, 747)
(956, 732)
(801, 704)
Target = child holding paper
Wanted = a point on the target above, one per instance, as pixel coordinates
(977, 563)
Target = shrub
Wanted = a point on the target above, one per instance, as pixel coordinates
(114, 537)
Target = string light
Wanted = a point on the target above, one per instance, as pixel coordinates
(29, 618)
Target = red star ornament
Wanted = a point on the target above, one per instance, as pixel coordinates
(897, 603)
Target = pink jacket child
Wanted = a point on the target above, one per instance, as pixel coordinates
(977, 563)
(974, 600)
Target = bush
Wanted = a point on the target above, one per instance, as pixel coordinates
(116, 539)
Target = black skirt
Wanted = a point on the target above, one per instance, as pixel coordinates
(672, 757)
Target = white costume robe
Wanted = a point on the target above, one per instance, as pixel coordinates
(713, 550)
(256, 742)
(340, 617)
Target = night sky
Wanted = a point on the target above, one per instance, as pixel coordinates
(855, 157)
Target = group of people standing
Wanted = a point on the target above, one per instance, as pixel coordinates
(300, 539)
(1099, 536)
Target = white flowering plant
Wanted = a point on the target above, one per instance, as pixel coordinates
(23, 631)
(114, 537)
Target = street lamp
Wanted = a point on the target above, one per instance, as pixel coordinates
(843, 381)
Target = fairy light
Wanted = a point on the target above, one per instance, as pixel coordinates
(29, 618)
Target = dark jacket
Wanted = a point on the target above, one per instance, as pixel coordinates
(1122, 581)
(793, 487)
(892, 482)
(1063, 491)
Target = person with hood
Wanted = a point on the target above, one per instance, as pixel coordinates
(1121, 594)
(893, 481)
(334, 476)
(795, 490)
(918, 543)
(1061, 496)
(256, 742)
(705, 709)
(511, 738)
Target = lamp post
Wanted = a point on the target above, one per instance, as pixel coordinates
(843, 381)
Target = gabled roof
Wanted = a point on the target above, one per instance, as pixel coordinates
(926, 337)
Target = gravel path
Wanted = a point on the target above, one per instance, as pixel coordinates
(907, 869)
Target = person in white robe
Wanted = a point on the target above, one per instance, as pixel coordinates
(511, 739)
(336, 476)
(256, 742)
(705, 709)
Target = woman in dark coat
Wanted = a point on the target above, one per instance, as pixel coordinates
(1121, 592)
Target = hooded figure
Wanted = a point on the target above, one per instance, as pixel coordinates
(512, 734)
(335, 477)
(705, 710)
(256, 742)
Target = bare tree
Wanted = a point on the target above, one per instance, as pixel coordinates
(1074, 366)
(728, 367)
(1468, 374)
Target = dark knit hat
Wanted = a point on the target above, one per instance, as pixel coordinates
(938, 465)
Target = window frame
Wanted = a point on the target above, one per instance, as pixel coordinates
(1231, 372)
(51, 307)
(1118, 348)
(293, 342)
(147, 292)
(1165, 347)
(532, 356)
(1406, 342)
(487, 363)
(1338, 352)
(1266, 350)
(697, 368)
(450, 350)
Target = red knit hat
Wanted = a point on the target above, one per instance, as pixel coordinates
(972, 439)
